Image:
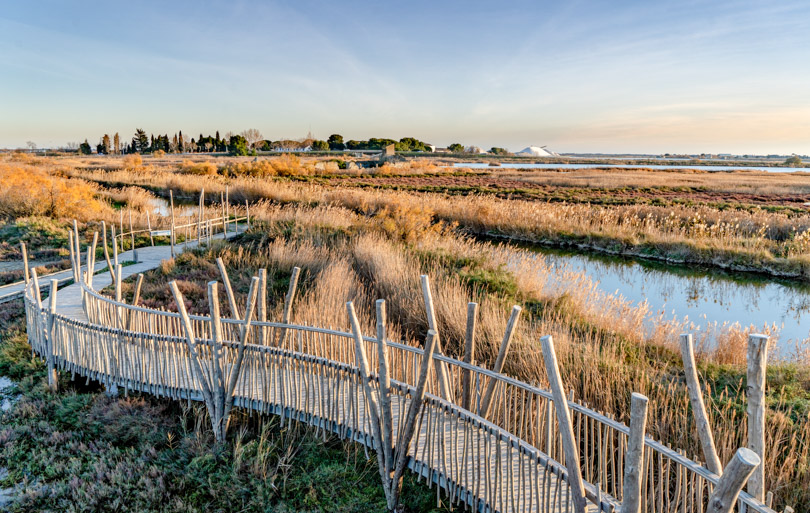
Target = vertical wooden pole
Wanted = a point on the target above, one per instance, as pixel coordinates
(216, 350)
(262, 307)
(115, 246)
(247, 214)
(244, 334)
(41, 330)
(755, 389)
(228, 289)
(227, 209)
(634, 459)
(149, 227)
(570, 444)
(138, 285)
(224, 218)
(725, 494)
(53, 381)
(26, 271)
(441, 370)
(73, 257)
(121, 226)
(385, 387)
(365, 376)
(118, 293)
(192, 349)
(91, 253)
(288, 300)
(132, 237)
(702, 424)
(200, 214)
(469, 354)
(173, 237)
(406, 435)
(106, 251)
(78, 250)
(499, 361)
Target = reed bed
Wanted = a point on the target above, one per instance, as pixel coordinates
(603, 346)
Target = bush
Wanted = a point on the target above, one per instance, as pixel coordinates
(132, 162)
(257, 168)
(158, 153)
(198, 168)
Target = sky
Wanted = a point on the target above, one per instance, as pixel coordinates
(577, 76)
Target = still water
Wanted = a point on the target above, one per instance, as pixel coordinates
(702, 296)
(518, 165)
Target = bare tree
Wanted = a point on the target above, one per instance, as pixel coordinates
(208, 145)
(32, 146)
(252, 136)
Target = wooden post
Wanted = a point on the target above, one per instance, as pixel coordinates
(755, 389)
(115, 246)
(704, 429)
(149, 227)
(385, 387)
(502, 352)
(244, 334)
(228, 289)
(53, 381)
(106, 251)
(173, 237)
(73, 257)
(262, 306)
(634, 459)
(138, 284)
(247, 215)
(200, 214)
(78, 251)
(91, 260)
(288, 299)
(121, 226)
(469, 354)
(192, 349)
(725, 494)
(216, 351)
(406, 435)
(132, 237)
(224, 219)
(570, 444)
(26, 271)
(38, 300)
(373, 407)
(118, 292)
(227, 210)
(441, 370)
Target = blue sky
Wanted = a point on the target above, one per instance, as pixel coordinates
(577, 76)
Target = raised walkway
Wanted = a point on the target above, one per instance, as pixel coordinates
(490, 460)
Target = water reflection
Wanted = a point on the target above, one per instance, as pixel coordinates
(702, 296)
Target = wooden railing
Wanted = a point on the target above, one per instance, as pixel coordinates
(284, 371)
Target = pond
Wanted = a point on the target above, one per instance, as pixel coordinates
(518, 165)
(703, 296)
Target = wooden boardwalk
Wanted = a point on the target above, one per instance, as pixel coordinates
(488, 460)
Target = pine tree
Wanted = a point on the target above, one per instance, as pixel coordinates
(105, 144)
(116, 143)
(181, 144)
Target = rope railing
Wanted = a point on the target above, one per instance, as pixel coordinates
(520, 416)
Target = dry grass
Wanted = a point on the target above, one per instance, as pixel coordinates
(603, 343)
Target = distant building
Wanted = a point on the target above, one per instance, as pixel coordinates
(389, 150)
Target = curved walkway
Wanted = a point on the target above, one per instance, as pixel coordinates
(491, 461)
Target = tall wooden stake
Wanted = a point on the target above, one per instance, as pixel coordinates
(704, 428)
(385, 387)
(26, 271)
(566, 428)
(106, 251)
(53, 381)
(288, 300)
(441, 369)
(634, 459)
(262, 305)
(216, 351)
(502, 352)
(138, 285)
(223, 272)
(469, 354)
(755, 389)
(173, 237)
(725, 494)
(115, 246)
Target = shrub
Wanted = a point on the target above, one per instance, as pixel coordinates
(198, 168)
(256, 168)
(132, 162)
(159, 153)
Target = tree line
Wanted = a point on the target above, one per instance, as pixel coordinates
(249, 142)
